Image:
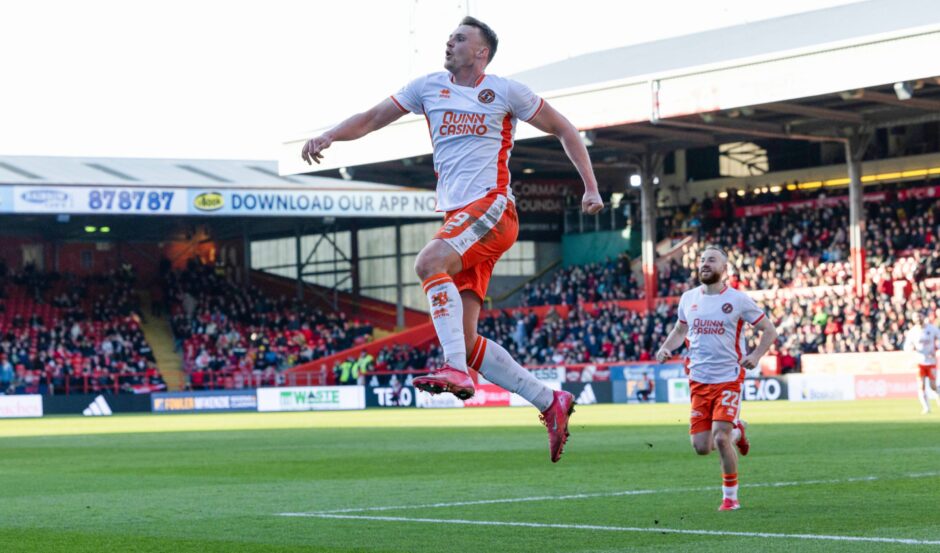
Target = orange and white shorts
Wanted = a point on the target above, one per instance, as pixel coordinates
(927, 371)
(480, 232)
(714, 402)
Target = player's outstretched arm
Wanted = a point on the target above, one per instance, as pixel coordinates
(768, 335)
(550, 121)
(672, 342)
(357, 126)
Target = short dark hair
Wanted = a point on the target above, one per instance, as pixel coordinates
(489, 35)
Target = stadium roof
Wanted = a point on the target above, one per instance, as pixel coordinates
(811, 76)
(182, 173)
(796, 33)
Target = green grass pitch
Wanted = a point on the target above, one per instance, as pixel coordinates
(819, 474)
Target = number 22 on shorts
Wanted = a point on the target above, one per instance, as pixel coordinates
(731, 400)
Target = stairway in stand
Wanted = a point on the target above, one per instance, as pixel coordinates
(157, 331)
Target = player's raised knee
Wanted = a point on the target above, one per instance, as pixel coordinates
(426, 265)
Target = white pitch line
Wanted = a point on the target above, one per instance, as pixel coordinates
(904, 541)
(613, 494)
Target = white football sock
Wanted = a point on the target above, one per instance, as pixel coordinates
(497, 366)
(922, 396)
(447, 316)
(729, 491)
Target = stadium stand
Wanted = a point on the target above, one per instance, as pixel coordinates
(809, 247)
(594, 282)
(233, 336)
(800, 256)
(60, 333)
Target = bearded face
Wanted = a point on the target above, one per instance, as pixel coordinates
(708, 276)
(711, 266)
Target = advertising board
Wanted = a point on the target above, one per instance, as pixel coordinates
(207, 401)
(12, 407)
(820, 387)
(885, 386)
(96, 404)
(311, 398)
(390, 396)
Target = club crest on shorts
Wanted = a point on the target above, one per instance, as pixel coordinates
(486, 96)
(727, 308)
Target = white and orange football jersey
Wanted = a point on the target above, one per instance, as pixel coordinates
(715, 336)
(923, 340)
(472, 131)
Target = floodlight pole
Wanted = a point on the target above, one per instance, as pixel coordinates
(300, 264)
(399, 284)
(650, 166)
(855, 148)
(246, 255)
(354, 258)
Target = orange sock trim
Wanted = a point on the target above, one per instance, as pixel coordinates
(475, 361)
(730, 480)
(434, 280)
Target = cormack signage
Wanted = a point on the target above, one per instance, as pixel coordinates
(541, 207)
(311, 398)
(208, 401)
(335, 203)
(96, 200)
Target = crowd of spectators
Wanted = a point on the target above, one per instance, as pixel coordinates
(791, 248)
(839, 322)
(785, 250)
(810, 247)
(60, 333)
(609, 280)
(607, 333)
(404, 358)
(232, 335)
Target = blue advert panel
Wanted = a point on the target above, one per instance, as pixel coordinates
(627, 379)
(209, 401)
